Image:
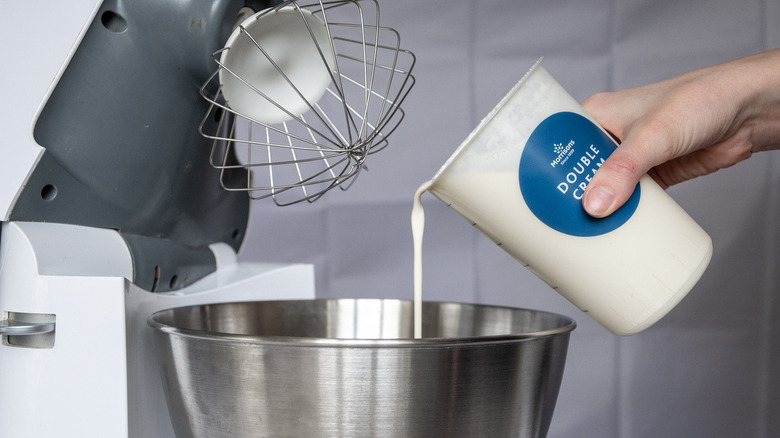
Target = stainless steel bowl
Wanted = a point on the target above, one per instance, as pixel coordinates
(348, 368)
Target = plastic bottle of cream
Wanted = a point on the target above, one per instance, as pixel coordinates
(519, 178)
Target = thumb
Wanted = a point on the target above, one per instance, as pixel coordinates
(614, 182)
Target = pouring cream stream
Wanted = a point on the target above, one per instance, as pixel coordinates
(418, 225)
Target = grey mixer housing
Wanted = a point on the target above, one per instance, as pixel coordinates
(122, 145)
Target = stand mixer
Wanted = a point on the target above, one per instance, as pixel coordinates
(125, 178)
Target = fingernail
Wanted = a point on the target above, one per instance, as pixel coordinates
(598, 201)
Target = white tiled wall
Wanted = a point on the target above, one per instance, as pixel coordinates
(709, 369)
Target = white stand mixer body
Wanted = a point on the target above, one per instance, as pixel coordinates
(99, 377)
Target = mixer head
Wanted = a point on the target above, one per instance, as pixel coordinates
(121, 141)
(302, 94)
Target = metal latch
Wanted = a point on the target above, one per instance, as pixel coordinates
(18, 328)
(32, 330)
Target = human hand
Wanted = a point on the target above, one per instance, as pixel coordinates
(685, 127)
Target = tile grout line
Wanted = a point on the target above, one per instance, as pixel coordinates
(769, 277)
(621, 428)
(472, 93)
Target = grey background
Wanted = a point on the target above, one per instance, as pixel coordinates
(711, 368)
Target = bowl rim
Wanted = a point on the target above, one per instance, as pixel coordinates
(568, 325)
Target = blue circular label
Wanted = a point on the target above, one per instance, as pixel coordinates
(559, 160)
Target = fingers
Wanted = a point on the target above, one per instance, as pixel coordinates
(647, 139)
(645, 145)
(653, 145)
(703, 161)
(613, 184)
(684, 127)
(603, 106)
(615, 180)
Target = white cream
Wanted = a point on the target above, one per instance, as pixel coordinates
(418, 226)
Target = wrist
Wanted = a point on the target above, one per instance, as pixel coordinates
(759, 77)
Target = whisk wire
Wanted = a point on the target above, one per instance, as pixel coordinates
(324, 142)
